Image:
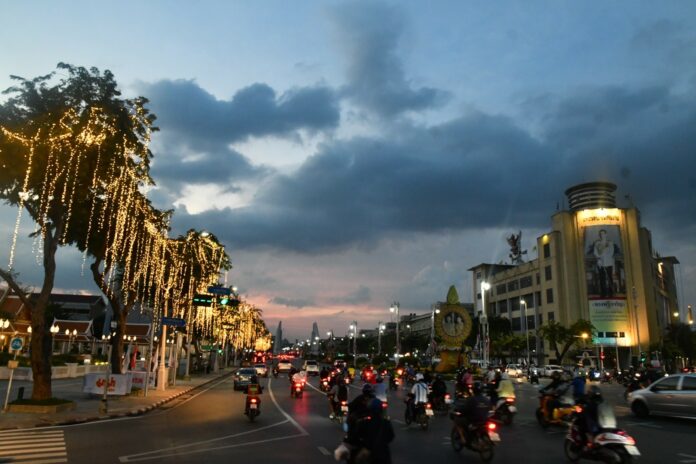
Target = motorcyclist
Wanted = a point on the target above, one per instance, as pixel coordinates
(588, 423)
(506, 389)
(357, 409)
(374, 433)
(439, 389)
(253, 390)
(556, 388)
(380, 389)
(324, 373)
(291, 372)
(298, 377)
(578, 385)
(473, 410)
(338, 393)
(418, 395)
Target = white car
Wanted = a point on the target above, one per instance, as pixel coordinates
(311, 367)
(261, 370)
(550, 369)
(514, 370)
(284, 366)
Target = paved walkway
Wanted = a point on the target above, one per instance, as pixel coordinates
(87, 406)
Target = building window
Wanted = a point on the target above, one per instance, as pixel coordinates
(514, 304)
(537, 298)
(551, 316)
(529, 299)
(516, 324)
(478, 296)
(538, 279)
(513, 285)
(541, 319)
(547, 250)
(549, 295)
(502, 307)
(530, 323)
(526, 281)
(547, 273)
(500, 289)
(478, 275)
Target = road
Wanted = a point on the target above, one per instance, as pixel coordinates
(208, 425)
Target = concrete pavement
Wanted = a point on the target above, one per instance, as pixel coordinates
(87, 406)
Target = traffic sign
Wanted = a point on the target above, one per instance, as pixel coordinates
(174, 321)
(202, 300)
(219, 290)
(16, 344)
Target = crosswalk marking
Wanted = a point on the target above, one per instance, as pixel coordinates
(37, 447)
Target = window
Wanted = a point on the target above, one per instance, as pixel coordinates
(478, 275)
(541, 319)
(547, 250)
(538, 279)
(500, 289)
(551, 316)
(549, 295)
(502, 307)
(529, 299)
(478, 296)
(516, 323)
(530, 323)
(526, 281)
(547, 273)
(688, 383)
(513, 285)
(514, 304)
(538, 298)
(669, 383)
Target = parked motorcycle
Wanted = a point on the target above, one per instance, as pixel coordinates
(481, 438)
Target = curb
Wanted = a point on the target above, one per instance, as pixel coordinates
(132, 413)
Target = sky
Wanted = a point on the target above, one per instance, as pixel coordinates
(353, 154)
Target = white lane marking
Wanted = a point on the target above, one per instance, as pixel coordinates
(399, 421)
(324, 451)
(206, 450)
(287, 416)
(315, 388)
(689, 458)
(137, 457)
(47, 461)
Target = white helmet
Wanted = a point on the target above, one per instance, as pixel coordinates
(504, 376)
(419, 377)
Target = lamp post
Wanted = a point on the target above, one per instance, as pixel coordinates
(380, 331)
(433, 310)
(394, 308)
(4, 324)
(354, 328)
(483, 321)
(54, 330)
(526, 327)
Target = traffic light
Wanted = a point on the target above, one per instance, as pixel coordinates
(601, 355)
(643, 357)
(200, 299)
(229, 301)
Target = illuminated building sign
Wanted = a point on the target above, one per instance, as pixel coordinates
(593, 217)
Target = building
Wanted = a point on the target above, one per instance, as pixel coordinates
(596, 263)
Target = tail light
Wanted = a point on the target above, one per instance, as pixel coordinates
(384, 405)
(491, 426)
(399, 372)
(253, 400)
(428, 406)
(344, 403)
(629, 439)
(509, 400)
(578, 409)
(447, 396)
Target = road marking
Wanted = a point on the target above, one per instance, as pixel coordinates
(190, 397)
(689, 458)
(324, 451)
(399, 421)
(650, 425)
(33, 446)
(287, 416)
(141, 456)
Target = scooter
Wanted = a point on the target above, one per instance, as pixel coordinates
(561, 416)
(611, 445)
(505, 410)
(253, 408)
(422, 412)
(324, 385)
(297, 389)
(482, 438)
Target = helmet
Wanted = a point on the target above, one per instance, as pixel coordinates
(419, 377)
(595, 394)
(367, 388)
(477, 388)
(504, 376)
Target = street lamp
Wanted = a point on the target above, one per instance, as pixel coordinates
(526, 327)
(483, 321)
(394, 308)
(354, 328)
(380, 331)
(433, 310)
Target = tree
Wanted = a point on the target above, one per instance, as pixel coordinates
(562, 338)
(66, 146)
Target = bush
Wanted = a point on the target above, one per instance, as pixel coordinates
(23, 361)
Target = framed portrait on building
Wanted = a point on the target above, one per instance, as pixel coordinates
(604, 262)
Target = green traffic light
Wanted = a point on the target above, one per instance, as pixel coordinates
(224, 300)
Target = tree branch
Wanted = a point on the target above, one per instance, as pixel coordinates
(16, 288)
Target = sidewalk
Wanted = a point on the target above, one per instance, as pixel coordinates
(87, 406)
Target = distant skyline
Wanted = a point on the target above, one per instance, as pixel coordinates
(351, 154)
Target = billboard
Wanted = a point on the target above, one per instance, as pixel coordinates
(605, 277)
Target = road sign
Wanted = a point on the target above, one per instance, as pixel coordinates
(218, 290)
(16, 344)
(207, 347)
(174, 321)
(202, 300)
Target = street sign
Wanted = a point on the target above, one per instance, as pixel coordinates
(173, 321)
(218, 290)
(202, 300)
(16, 344)
(207, 347)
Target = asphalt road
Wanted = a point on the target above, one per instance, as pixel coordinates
(209, 426)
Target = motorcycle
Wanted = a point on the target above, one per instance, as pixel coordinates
(421, 414)
(562, 415)
(505, 410)
(606, 377)
(297, 389)
(482, 438)
(441, 403)
(324, 385)
(394, 382)
(612, 445)
(636, 382)
(275, 372)
(253, 408)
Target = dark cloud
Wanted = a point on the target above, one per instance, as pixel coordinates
(292, 302)
(370, 34)
(360, 296)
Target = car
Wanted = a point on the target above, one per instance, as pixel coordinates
(284, 366)
(311, 367)
(674, 395)
(243, 376)
(261, 369)
(515, 370)
(550, 369)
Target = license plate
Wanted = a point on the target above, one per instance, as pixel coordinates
(512, 409)
(429, 412)
(253, 406)
(633, 450)
(344, 408)
(448, 401)
(493, 436)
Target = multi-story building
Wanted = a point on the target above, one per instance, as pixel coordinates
(596, 263)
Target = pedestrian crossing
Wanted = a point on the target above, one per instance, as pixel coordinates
(33, 446)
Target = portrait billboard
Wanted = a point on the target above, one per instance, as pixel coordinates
(452, 325)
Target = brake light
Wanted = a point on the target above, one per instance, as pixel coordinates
(384, 405)
(447, 396)
(399, 372)
(578, 409)
(509, 400)
(491, 426)
(253, 400)
(428, 406)
(344, 403)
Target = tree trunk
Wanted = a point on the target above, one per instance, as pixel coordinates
(117, 342)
